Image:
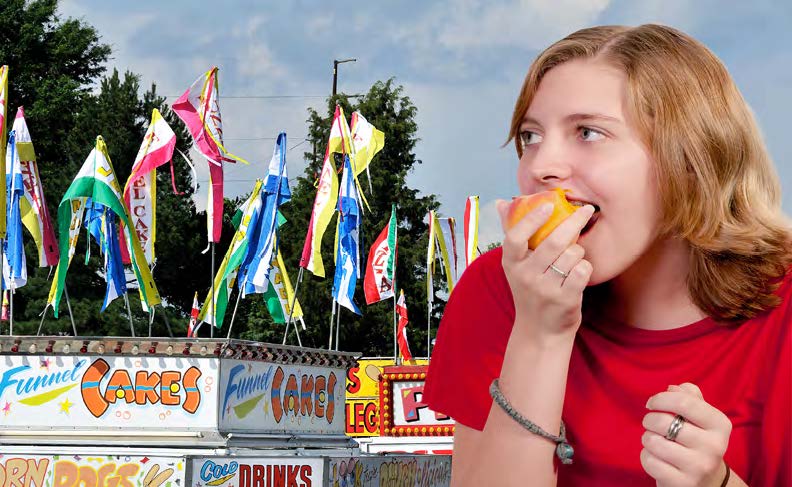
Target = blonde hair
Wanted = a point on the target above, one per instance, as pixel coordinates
(718, 188)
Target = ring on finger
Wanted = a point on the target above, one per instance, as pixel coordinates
(675, 428)
(558, 271)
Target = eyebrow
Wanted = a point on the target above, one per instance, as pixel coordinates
(578, 117)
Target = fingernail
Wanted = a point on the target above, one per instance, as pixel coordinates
(647, 403)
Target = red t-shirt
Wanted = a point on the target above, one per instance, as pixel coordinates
(745, 371)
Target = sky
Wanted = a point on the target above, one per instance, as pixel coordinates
(461, 62)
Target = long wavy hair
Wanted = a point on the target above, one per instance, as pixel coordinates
(718, 188)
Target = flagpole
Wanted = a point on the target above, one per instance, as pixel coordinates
(338, 326)
(396, 358)
(233, 315)
(2, 267)
(332, 319)
(151, 319)
(297, 329)
(129, 312)
(68, 306)
(211, 301)
(429, 330)
(11, 309)
(291, 309)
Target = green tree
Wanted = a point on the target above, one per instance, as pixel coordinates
(389, 109)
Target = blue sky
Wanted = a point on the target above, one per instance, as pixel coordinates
(460, 61)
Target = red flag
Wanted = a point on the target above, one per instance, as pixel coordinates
(381, 267)
(196, 308)
(401, 337)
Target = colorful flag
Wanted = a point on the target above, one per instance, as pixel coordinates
(381, 267)
(326, 197)
(446, 240)
(366, 142)
(430, 258)
(256, 266)
(3, 132)
(401, 337)
(196, 309)
(14, 264)
(199, 108)
(471, 229)
(102, 225)
(140, 190)
(280, 295)
(33, 207)
(347, 269)
(97, 180)
(214, 307)
(4, 311)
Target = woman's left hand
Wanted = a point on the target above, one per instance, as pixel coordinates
(695, 459)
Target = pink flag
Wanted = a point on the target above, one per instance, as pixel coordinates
(199, 108)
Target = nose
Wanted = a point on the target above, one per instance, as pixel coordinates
(548, 163)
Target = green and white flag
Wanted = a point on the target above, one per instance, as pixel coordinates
(214, 307)
(381, 267)
(96, 180)
(279, 294)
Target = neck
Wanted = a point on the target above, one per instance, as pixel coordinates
(652, 293)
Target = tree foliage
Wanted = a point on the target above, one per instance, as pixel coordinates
(389, 109)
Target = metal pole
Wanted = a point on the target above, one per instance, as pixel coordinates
(11, 309)
(43, 315)
(395, 347)
(2, 268)
(338, 325)
(429, 331)
(129, 312)
(332, 319)
(335, 76)
(212, 301)
(151, 319)
(233, 315)
(71, 315)
(297, 329)
(167, 323)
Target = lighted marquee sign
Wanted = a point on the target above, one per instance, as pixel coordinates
(94, 471)
(363, 395)
(40, 391)
(402, 411)
(402, 471)
(264, 396)
(257, 472)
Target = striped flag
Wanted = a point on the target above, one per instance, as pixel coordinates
(347, 269)
(33, 207)
(326, 196)
(14, 263)
(214, 306)
(96, 180)
(401, 337)
(255, 268)
(430, 258)
(280, 295)
(446, 242)
(199, 108)
(471, 229)
(102, 225)
(196, 309)
(381, 267)
(140, 190)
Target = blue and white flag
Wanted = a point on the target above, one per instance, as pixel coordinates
(102, 224)
(254, 271)
(14, 264)
(347, 269)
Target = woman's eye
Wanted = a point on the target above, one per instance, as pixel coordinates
(529, 138)
(589, 134)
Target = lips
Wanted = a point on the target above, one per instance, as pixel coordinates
(590, 224)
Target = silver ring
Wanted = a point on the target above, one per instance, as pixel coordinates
(558, 271)
(675, 428)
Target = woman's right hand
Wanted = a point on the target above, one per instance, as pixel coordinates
(546, 304)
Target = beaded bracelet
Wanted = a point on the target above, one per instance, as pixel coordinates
(564, 450)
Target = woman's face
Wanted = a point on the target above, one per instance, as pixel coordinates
(576, 135)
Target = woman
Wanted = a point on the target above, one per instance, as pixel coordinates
(655, 321)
